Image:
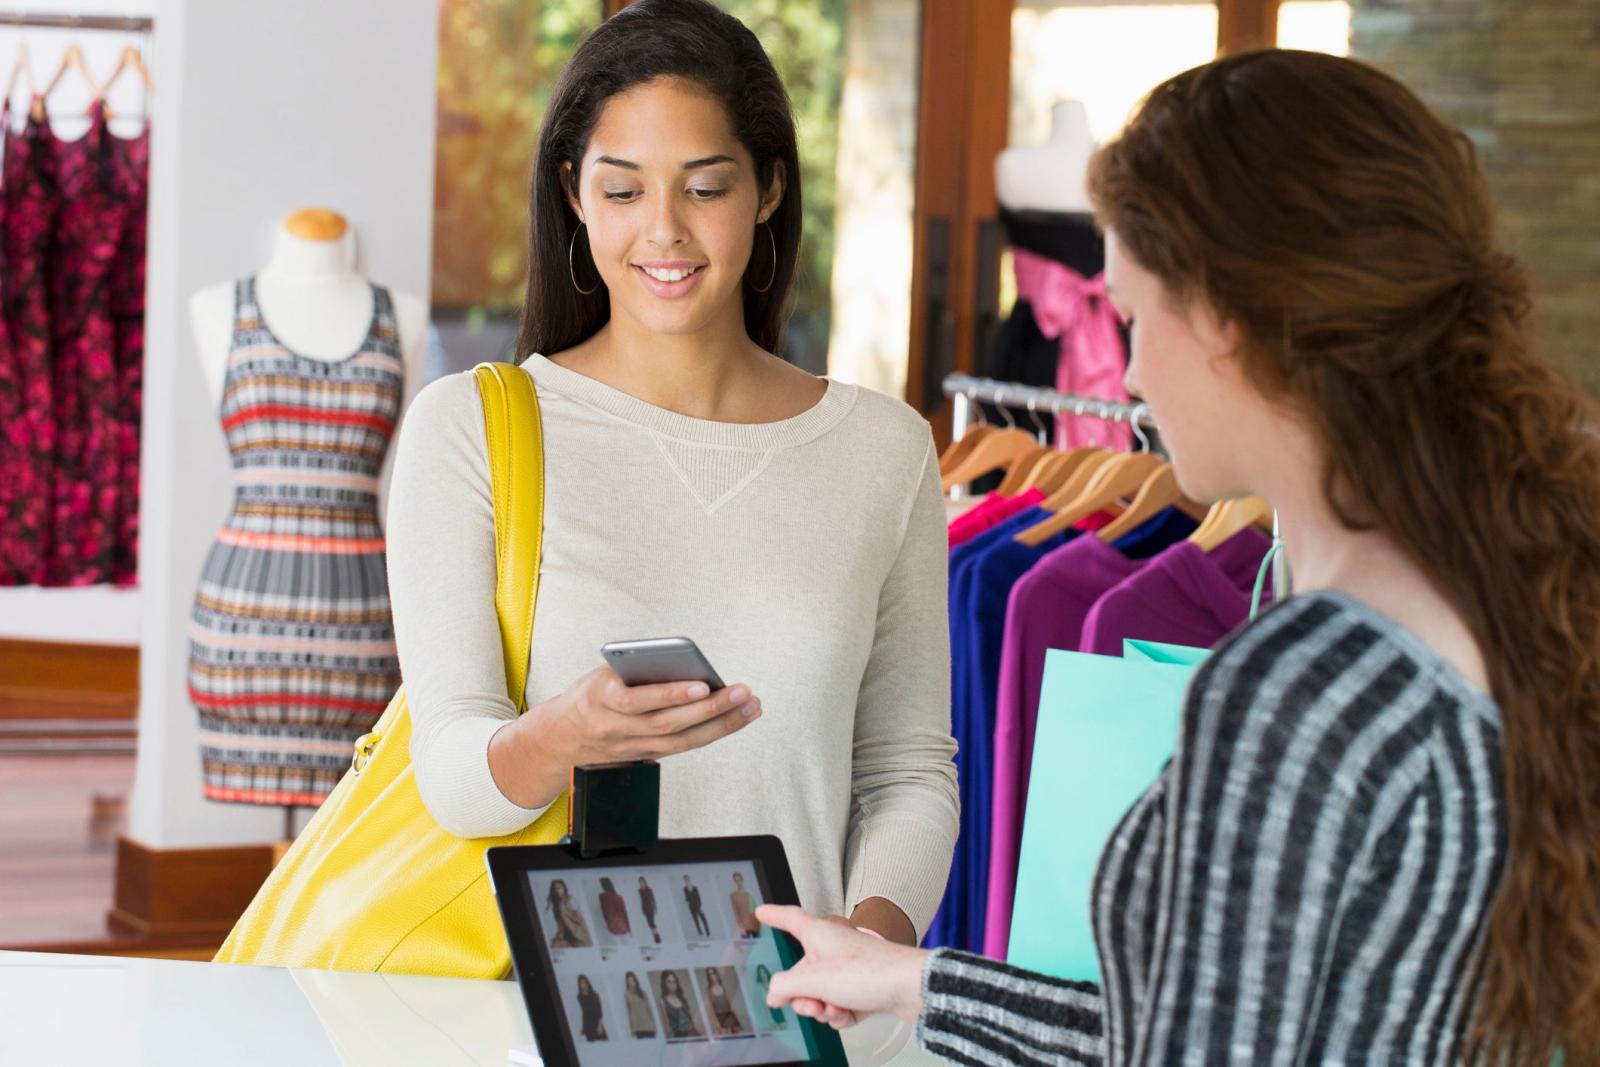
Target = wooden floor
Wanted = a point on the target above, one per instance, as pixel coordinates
(59, 821)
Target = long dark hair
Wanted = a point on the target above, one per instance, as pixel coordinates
(688, 39)
(1349, 233)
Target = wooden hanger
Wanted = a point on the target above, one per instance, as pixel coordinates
(130, 60)
(1077, 479)
(962, 447)
(1020, 474)
(1159, 492)
(1061, 466)
(1119, 477)
(72, 60)
(995, 452)
(23, 72)
(1228, 517)
(1050, 471)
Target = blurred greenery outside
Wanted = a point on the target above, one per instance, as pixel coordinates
(498, 61)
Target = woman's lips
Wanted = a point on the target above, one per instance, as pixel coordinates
(669, 290)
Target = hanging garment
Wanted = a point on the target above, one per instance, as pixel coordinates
(86, 381)
(131, 174)
(994, 510)
(28, 460)
(982, 572)
(1045, 611)
(10, 389)
(293, 654)
(1185, 596)
(1075, 312)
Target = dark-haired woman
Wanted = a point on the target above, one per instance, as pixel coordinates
(1379, 838)
(695, 483)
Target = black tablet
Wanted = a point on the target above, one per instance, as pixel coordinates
(655, 958)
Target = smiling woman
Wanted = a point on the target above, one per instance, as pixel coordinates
(735, 169)
(695, 483)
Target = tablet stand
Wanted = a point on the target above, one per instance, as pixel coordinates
(615, 809)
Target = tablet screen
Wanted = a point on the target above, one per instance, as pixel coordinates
(665, 964)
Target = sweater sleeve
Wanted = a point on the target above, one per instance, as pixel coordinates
(980, 1011)
(905, 808)
(441, 586)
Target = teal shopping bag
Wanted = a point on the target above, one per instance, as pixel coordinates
(1158, 652)
(1106, 727)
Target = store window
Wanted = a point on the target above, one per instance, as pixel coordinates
(1315, 26)
(498, 63)
(1107, 55)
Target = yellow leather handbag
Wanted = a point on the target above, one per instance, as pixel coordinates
(373, 883)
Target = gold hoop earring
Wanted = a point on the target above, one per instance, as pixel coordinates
(773, 241)
(571, 271)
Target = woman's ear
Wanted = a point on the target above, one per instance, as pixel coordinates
(774, 194)
(568, 186)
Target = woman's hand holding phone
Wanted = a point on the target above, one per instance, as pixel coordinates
(600, 719)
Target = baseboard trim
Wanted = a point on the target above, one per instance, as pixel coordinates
(59, 680)
(194, 894)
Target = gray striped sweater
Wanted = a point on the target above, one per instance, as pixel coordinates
(1308, 881)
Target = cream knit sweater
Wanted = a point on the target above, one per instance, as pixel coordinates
(807, 558)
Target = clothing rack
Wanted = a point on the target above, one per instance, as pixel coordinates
(112, 23)
(964, 390)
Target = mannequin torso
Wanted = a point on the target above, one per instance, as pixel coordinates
(1050, 176)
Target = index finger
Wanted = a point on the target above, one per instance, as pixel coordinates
(785, 917)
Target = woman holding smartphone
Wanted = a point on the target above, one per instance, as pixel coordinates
(1379, 838)
(697, 484)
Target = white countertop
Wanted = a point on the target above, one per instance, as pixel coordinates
(106, 1010)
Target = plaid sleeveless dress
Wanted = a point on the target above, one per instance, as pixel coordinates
(292, 653)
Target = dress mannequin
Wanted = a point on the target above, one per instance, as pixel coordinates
(1062, 332)
(1050, 176)
(309, 366)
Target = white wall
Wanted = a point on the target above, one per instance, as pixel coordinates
(260, 108)
(100, 614)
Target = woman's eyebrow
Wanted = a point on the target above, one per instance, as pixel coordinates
(693, 164)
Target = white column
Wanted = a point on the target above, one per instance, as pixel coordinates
(260, 108)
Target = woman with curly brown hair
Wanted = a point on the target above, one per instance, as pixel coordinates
(1379, 838)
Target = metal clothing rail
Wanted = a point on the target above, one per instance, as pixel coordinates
(115, 23)
(963, 389)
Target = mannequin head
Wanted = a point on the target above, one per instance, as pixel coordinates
(1308, 255)
(668, 142)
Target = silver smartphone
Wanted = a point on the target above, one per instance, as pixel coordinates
(660, 659)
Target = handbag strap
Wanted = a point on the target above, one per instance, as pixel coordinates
(516, 476)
